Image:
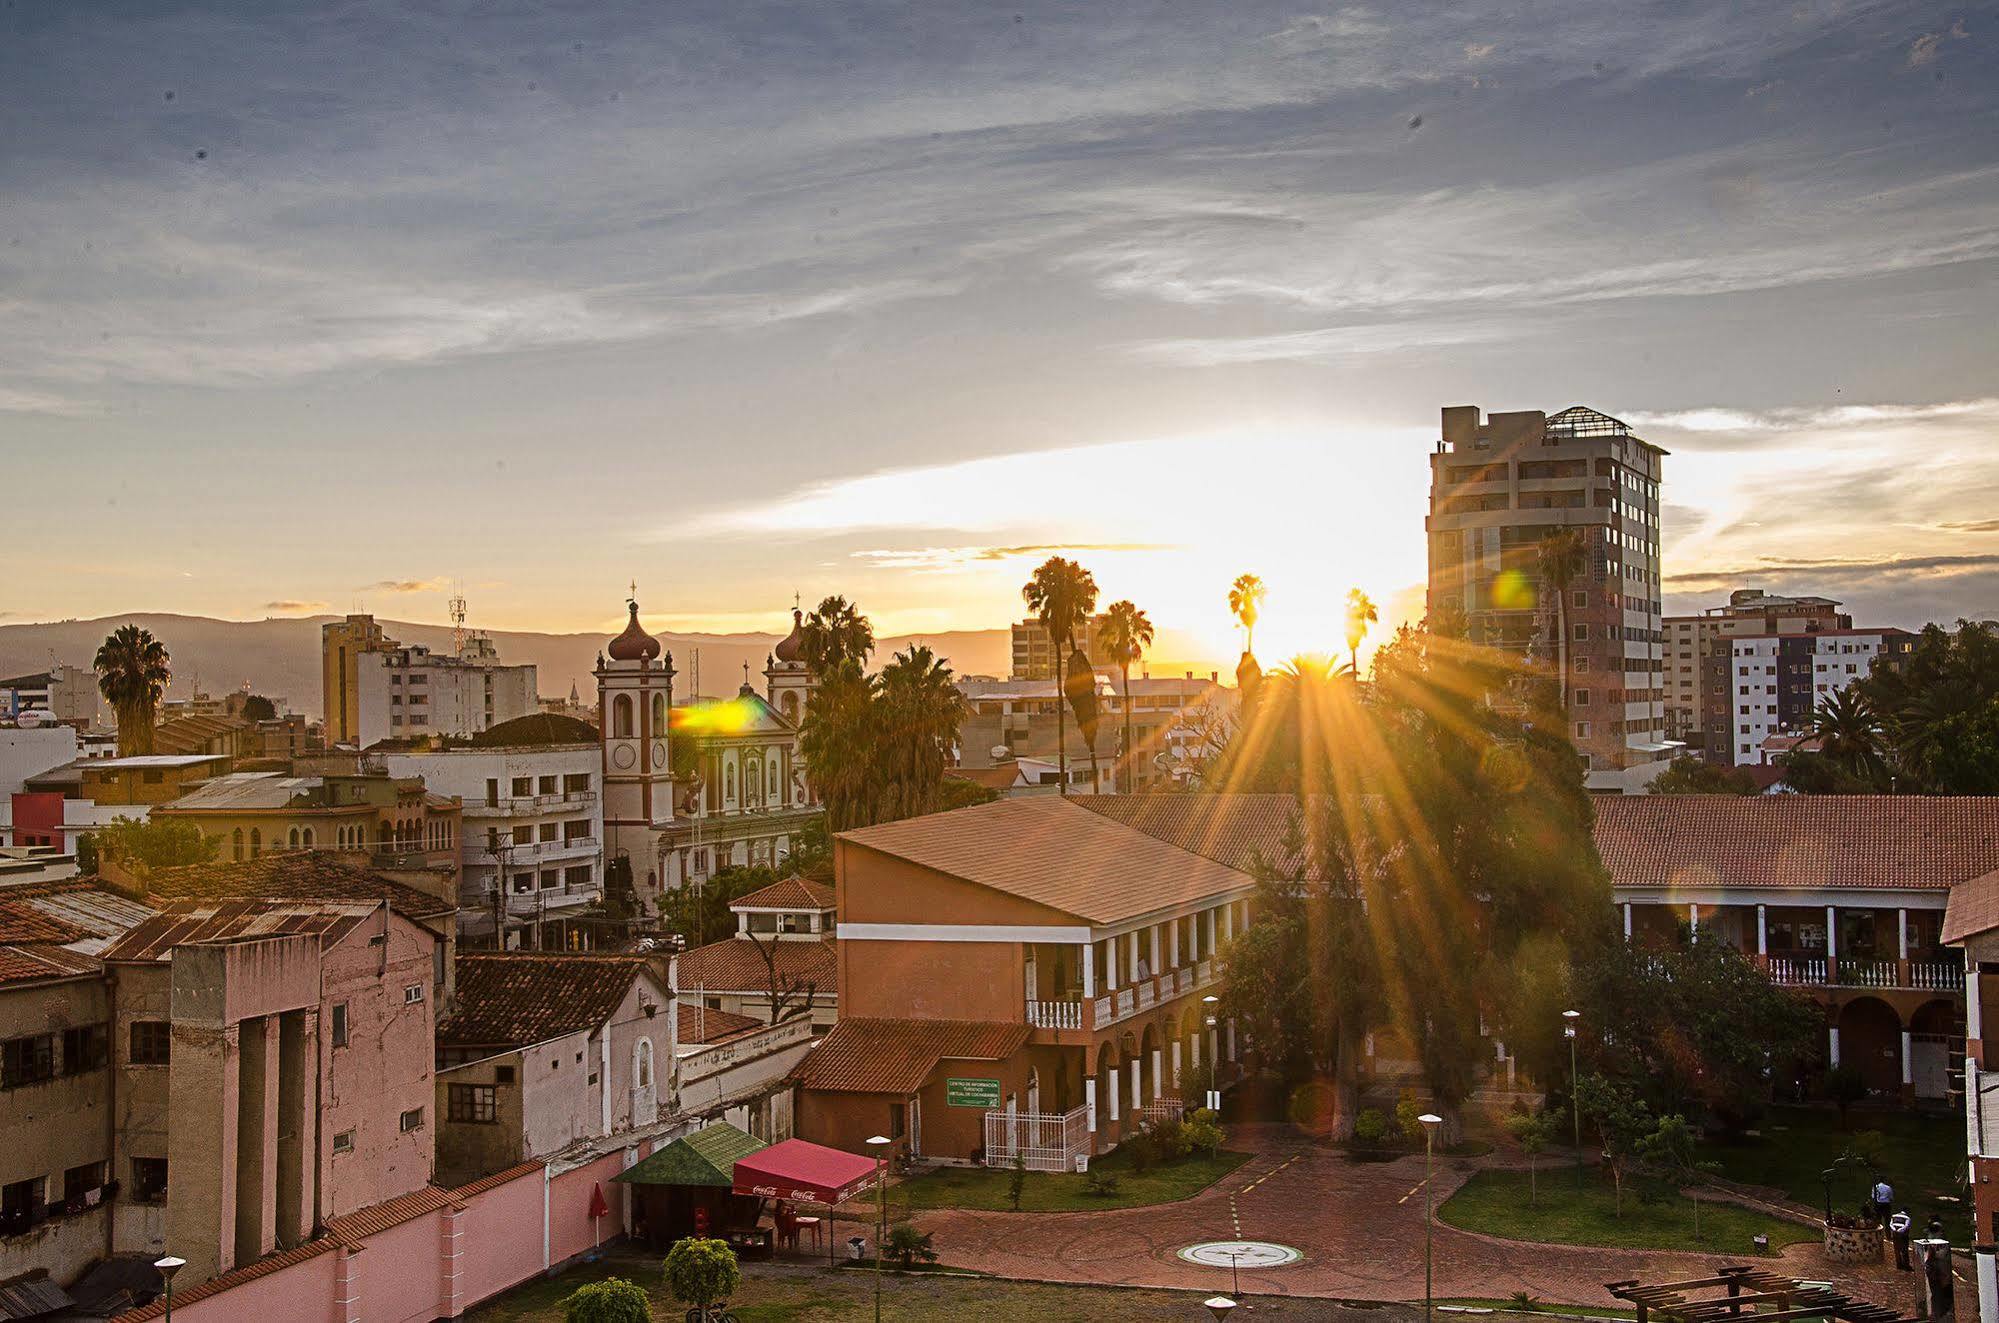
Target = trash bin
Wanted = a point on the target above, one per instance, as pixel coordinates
(1082, 1163)
(857, 1248)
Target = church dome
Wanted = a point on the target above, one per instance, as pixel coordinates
(634, 644)
(792, 649)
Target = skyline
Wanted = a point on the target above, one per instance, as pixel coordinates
(742, 302)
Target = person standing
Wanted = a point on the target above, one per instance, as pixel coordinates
(1899, 1226)
(1884, 1200)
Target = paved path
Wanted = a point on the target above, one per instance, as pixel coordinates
(1360, 1226)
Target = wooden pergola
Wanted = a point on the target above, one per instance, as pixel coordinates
(1749, 1293)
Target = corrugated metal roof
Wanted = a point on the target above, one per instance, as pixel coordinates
(706, 1157)
(231, 920)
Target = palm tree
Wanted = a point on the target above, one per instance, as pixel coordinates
(921, 710)
(1127, 634)
(1062, 594)
(1360, 615)
(838, 740)
(1246, 596)
(1849, 734)
(132, 674)
(1560, 558)
(835, 633)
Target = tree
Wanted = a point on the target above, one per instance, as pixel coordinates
(1062, 594)
(834, 634)
(700, 1272)
(921, 710)
(1127, 633)
(1850, 736)
(132, 673)
(909, 1247)
(1621, 1123)
(1560, 557)
(1016, 1182)
(155, 843)
(1246, 596)
(1845, 1085)
(1673, 1148)
(790, 995)
(1690, 775)
(838, 741)
(613, 1300)
(1361, 615)
(1533, 1131)
(259, 708)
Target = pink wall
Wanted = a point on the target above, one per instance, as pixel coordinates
(399, 1275)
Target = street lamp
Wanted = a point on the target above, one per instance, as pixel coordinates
(880, 1143)
(1569, 1019)
(167, 1268)
(1211, 1002)
(1430, 1122)
(1220, 1306)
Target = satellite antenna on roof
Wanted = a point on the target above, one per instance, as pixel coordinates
(458, 624)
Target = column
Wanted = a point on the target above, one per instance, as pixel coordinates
(1158, 1077)
(1627, 920)
(1173, 944)
(1901, 934)
(1762, 930)
(1152, 948)
(1194, 1050)
(346, 1285)
(1090, 1102)
(1110, 1091)
(1228, 922)
(1089, 971)
(1693, 920)
(1176, 1063)
(1831, 945)
(451, 1293)
(1908, 1068)
(1137, 1085)
(1832, 1043)
(1110, 963)
(256, 1139)
(1132, 968)
(298, 1119)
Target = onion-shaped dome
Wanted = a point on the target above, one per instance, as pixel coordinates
(792, 649)
(634, 644)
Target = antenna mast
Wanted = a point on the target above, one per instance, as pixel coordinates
(458, 624)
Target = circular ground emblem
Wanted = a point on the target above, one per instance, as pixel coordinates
(1242, 1254)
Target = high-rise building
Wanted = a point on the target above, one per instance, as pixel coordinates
(1697, 674)
(378, 689)
(1034, 654)
(1775, 682)
(1501, 486)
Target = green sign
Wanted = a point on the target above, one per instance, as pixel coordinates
(983, 1094)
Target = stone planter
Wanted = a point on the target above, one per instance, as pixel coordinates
(1853, 1245)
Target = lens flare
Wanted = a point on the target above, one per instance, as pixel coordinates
(1512, 591)
(729, 716)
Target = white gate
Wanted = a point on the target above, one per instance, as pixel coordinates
(1160, 1111)
(1044, 1141)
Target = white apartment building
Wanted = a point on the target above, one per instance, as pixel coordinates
(406, 692)
(1778, 681)
(533, 846)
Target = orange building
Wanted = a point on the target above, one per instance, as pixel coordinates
(1027, 976)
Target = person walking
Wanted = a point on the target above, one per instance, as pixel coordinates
(1899, 1226)
(1884, 1201)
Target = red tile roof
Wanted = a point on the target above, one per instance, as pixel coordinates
(37, 963)
(1810, 841)
(263, 1267)
(703, 1026)
(897, 1056)
(293, 875)
(734, 965)
(21, 922)
(513, 998)
(1973, 908)
(791, 893)
(1236, 831)
(358, 1225)
(1054, 852)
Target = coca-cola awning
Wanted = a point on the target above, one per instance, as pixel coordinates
(807, 1172)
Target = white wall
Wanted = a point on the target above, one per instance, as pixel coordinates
(31, 751)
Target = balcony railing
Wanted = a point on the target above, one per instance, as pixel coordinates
(1055, 1014)
(1812, 971)
(1124, 1002)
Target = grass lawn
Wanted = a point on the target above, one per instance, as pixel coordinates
(786, 1294)
(1924, 1152)
(1495, 1203)
(1062, 1192)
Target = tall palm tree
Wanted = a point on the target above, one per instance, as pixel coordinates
(833, 634)
(1849, 734)
(1560, 557)
(1062, 594)
(921, 710)
(838, 740)
(1246, 596)
(132, 674)
(1360, 615)
(1127, 634)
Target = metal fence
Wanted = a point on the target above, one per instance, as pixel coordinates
(1043, 1141)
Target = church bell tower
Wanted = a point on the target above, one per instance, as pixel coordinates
(635, 706)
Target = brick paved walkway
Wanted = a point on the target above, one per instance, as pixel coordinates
(1360, 1226)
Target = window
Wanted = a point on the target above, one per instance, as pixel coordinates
(551, 879)
(548, 832)
(412, 994)
(503, 1074)
(576, 783)
(642, 1064)
(478, 1104)
(340, 1024)
(411, 1120)
(621, 717)
(545, 786)
(523, 785)
(898, 1120)
(256, 842)
(1582, 697)
(79, 1181)
(152, 1043)
(576, 876)
(21, 1204)
(27, 1060)
(344, 1142)
(85, 1049)
(149, 1180)
(524, 836)
(236, 844)
(492, 791)
(1582, 633)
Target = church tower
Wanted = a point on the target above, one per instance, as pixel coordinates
(787, 684)
(635, 705)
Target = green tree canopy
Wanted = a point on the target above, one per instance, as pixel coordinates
(1691, 775)
(154, 843)
(701, 1271)
(613, 1300)
(259, 708)
(132, 673)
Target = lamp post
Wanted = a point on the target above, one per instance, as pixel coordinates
(167, 1267)
(1220, 1306)
(1430, 1122)
(1210, 1005)
(880, 1143)
(1569, 1019)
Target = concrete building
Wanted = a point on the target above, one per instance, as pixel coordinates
(377, 689)
(533, 848)
(66, 694)
(1026, 976)
(1690, 641)
(144, 779)
(1497, 489)
(1771, 684)
(1034, 651)
(1014, 722)
(778, 963)
(231, 736)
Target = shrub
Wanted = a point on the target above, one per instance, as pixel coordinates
(1016, 1181)
(1868, 1147)
(1203, 1133)
(700, 1272)
(613, 1300)
(909, 1247)
(1169, 1138)
(1370, 1127)
(1845, 1085)
(1142, 1151)
(1100, 1184)
(1407, 1109)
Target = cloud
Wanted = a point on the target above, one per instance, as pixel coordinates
(35, 401)
(944, 559)
(403, 586)
(1838, 569)
(1925, 48)
(290, 607)
(1813, 417)
(1325, 344)
(1972, 526)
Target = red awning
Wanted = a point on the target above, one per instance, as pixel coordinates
(810, 1173)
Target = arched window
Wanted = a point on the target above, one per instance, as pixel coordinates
(256, 842)
(642, 1064)
(770, 776)
(292, 840)
(236, 844)
(790, 706)
(658, 715)
(308, 838)
(621, 717)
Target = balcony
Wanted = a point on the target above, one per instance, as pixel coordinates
(1125, 1002)
(1806, 970)
(528, 806)
(1055, 1014)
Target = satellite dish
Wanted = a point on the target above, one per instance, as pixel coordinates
(31, 718)
(999, 753)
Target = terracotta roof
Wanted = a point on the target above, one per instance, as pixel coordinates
(1816, 841)
(495, 1179)
(1232, 830)
(1973, 908)
(734, 965)
(377, 1218)
(513, 998)
(536, 728)
(792, 893)
(35, 964)
(1052, 851)
(22, 922)
(897, 1056)
(701, 1026)
(185, 921)
(293, 875)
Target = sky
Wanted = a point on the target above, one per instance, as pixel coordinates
(349, 306)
